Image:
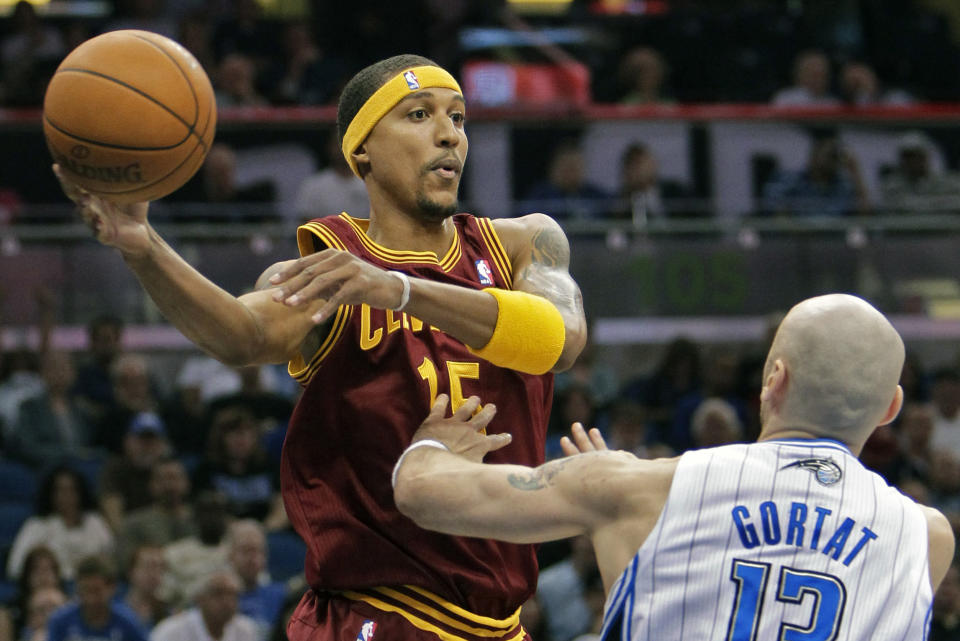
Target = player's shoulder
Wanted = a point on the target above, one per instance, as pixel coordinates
(519, 234)
(528, 224)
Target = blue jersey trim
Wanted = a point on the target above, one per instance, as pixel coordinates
(812, 442)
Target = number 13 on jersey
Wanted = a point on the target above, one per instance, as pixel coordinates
(828, 593)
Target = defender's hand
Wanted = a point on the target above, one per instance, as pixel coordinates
(121, 226)
(462, 432)
(340, 278)
(582, 441)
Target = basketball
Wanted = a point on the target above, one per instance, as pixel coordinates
(129, 115)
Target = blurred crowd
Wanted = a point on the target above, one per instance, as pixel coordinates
(155, 479)
(857, 52)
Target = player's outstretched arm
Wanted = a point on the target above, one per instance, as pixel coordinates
(452, 491)
(248, 330)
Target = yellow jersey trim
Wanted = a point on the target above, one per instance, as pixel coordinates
(299, 369)
(440, 616)
(448, 262)
(506, 624)
(499, 254)
(422, 624)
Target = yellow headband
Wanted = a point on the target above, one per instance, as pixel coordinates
(385, 98)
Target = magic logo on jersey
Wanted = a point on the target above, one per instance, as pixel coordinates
(367, 630)
(484, 272)
(826, 471)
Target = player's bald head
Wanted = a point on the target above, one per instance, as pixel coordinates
(843, 360)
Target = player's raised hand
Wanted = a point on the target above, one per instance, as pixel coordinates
(463, 433)
(338, 277)
(121, 226)
(580, 440)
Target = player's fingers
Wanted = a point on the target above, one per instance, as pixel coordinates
(596, 438)
(580, 438)
(465, 411)
(439, 408)
(73, 191)
(298, 266)
(496, 441)
(569, 449)
(481, 419)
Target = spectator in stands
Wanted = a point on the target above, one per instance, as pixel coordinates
(125, 480)
(245, 32)
(574, 404)
(41, 573)
(565, 194)
(333, 189)
(215, 613)
(51, 427)
(218, 181)
(19, 381)
(147, 15)
(642, 74)
(145, 583)
(675, 375)
(811, 83)
(859, 86)
(260, 598)
(96, 615)
(644, 194)
(40, 608)
(305, 74)
(533, 619)
(168, 518)
(94, 385)
(562, 590)
(236, 83)
(881, 453)
(628, 431)
(132, 394)
(715, 422)
(720, 380)
(237, 466)
(831, 184)
(916, 429)
(30, 54)
(190, 558)
(912, 186)
(194, 34)
(945, 484)
(913, 380)
(945, 396)
(66, 521)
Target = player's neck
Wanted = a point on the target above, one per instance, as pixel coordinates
(782, 432)
(398, 230)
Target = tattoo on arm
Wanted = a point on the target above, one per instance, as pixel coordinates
(547, 274)
(538, 478)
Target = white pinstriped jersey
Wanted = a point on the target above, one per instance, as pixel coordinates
(790, 540)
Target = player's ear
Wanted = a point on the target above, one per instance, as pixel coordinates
(775, 382)
(894, 407)
(361, 158)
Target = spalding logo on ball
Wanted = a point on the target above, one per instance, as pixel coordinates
(129, 115)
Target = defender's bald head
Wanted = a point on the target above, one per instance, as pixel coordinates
(842, 360)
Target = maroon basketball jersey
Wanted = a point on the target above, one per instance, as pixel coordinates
(367, 389)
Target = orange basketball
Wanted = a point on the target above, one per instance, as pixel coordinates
(129, 115)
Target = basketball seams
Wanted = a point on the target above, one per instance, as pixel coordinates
(186, 158)
(193, 91)
(109, 145)
(139, 92)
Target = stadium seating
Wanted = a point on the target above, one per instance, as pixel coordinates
(18, 483)
(286, 551)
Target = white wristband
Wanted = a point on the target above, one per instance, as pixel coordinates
(427, 442)
(405, 296)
